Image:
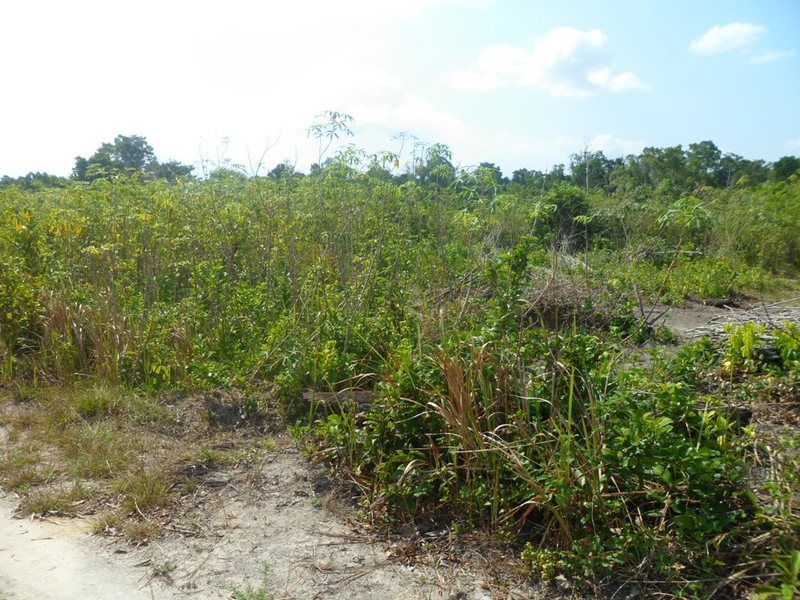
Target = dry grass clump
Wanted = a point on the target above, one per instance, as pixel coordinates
(22, 467)
(142, 531)
(559, 304)
(144, 489)
(60, 500)
(97, 451)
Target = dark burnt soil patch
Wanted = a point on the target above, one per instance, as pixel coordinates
(200, 414)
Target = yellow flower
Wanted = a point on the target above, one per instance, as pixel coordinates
(727, 366)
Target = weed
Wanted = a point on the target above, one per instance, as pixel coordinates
(109, 523)
(22, 479)
(251, 592)
(144, 489)
(59, 501)
(211, 456)
(787, 587)
(542, 562)
(741, 345)
(23, 468)
(96, 451)
(94, 401)
(141, 531)
(163, 569)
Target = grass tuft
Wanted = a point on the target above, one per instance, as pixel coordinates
(59, 501)
(142, 531)
(144, 490)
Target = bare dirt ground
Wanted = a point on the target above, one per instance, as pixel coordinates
(282, 521)
(274, 530)
(55, 558)
(696, 319)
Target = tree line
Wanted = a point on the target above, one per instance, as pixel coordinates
(673, 169)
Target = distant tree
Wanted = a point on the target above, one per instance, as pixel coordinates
(489, 179)
(132, 152)
(703, 164)
(437, 169)
(755, 171)
(34, 181)
(127, 154)
(556, 175)
(496, 173)
(376, 171)
(591, 170)
(629, 177)
(281, 170)
(735, 170)
(660, 164)
(80, 169)
(525, 176)
(484, 181)
(784, 167)
(172, 170)
(666, 167)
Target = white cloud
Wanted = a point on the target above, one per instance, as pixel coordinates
(727, 38)
(383, 105)
(772, 55)
(792, 144)
(496, 66)
(616, 83)
(565, 62)
(614, 147)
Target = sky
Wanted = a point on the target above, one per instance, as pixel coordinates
(519, 83)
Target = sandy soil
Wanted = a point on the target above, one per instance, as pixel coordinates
(695, 320)
(683, 320)
(281, 522)
(236, 525)
(57, 559)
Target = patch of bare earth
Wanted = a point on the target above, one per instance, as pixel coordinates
(56, 559)
(242, 510)
(697, 319)
(282, 519)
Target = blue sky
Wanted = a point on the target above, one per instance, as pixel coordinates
(518, 83)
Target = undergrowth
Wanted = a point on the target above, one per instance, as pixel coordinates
(601, 473)
(489, 321)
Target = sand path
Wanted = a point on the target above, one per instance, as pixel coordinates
(57, 559)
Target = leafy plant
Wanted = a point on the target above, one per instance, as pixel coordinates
(252, 592)
(741, 345)
(787, 569)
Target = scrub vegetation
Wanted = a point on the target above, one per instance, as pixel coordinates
(494, 329)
